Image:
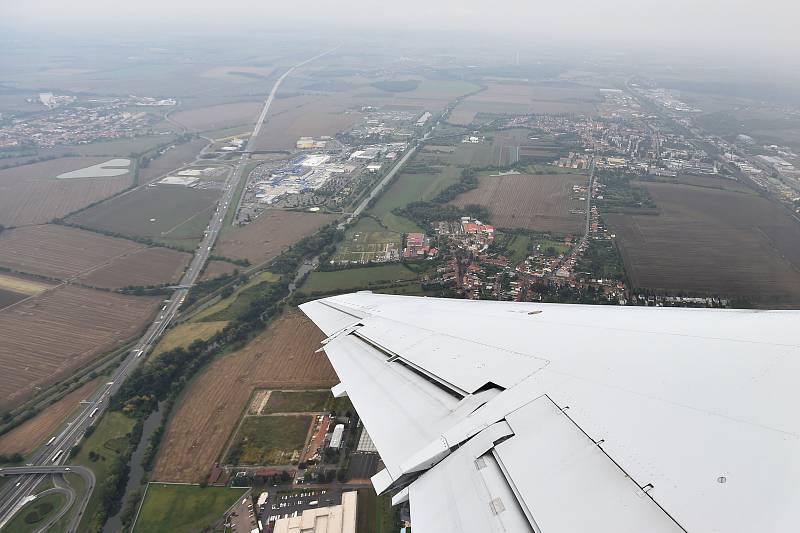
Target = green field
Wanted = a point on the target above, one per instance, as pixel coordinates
(356, 278)
(409, 188)
(269, 440)
(170, 214)
(303, 401)
(36, 513)
(375, 513)
(108, 441)
(183, 508)
(365, 241)
(550, 247)
(515, 246)
(184, 334)
(239, 302)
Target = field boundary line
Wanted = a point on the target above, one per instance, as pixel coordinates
(139, 509)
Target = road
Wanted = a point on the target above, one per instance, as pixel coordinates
(381, 184)
(57, 452)
(38, 473)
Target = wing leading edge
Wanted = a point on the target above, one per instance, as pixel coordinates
(499, 416)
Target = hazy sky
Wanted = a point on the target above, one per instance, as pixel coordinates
(700, 26)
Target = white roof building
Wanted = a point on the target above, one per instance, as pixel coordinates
(336, 437)
(334, 519)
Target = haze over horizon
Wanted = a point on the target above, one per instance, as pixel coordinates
(736, 30)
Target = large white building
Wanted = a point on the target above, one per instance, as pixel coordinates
(334, 519)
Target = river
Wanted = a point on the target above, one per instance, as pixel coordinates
(151, 424)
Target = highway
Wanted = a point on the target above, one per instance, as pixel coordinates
(39, 472)
(381, 184)
(57, 452)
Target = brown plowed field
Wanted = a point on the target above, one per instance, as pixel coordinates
(25, 437)
(64, 253)
(151, 266)
(295, 117)
(715, 242)
(539, 203)
(31, 194)
(59, 251)
(217, 268)
(8, 297)
(281, 357)
(269, 234)
(46, 337)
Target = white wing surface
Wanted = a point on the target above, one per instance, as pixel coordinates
(499, 416)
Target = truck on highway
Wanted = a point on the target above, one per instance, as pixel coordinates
(94, 412)
(52, 439)
(58, 454)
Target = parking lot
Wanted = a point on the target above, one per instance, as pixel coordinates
(293, 503)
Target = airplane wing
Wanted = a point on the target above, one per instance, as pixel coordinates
(503, 416)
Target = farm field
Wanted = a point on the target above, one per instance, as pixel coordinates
(510, 98)
(293, 117)
(209, 409)
(183, 335)
(73, 325)
(238, 72)
(172, 214)
(183, 508)
(63, 252)
(31, 194)
(122, 147)
(301, 401)
(218, 268)
(174, 158)
(516, 246)
(532, 202)
(22, 285)
(268, 235)
(25, 437)
(59, 251)
(150, 266)
(220, 116)
(356, 278)
(714, 242)
(239, 302)
(411, 186)
(365, 241)
(269, 440)
(8, 297)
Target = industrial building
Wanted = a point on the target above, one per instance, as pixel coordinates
(333, 519)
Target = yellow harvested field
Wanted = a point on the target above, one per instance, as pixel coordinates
(186, 333)
(24, 286)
